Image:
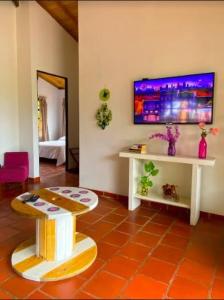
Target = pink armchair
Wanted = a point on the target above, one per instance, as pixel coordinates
(16, 167)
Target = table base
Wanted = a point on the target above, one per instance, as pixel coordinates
(28, 265)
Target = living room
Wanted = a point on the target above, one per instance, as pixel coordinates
(151, 251)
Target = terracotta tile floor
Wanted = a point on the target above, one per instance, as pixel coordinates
(49, 168)
(148, 253)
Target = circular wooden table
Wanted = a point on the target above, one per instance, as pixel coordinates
(58, 251)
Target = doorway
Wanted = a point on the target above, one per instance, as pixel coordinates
(52, 97)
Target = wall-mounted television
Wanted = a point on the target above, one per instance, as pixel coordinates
(179, 100)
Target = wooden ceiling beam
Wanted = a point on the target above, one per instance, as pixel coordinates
(56, 81)
(60, 12)
(70, 16)
(16, 2)
(65, 9)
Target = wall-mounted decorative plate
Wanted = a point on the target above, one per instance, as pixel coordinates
(104, 94)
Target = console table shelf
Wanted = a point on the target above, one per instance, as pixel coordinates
(193, 202)
(182, 202)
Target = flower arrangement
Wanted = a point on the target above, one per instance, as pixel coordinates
(205, 132)
(169, 191)
(171, 136)
(202, 148)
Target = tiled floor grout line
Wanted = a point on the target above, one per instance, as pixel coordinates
(95, 273)
(178, 267)
(8, 293)
(126, 233)
(143, 262)
(130, 239)
(117, 252)
(82, 288)
(8, 278)
(39, 289)
(212, 281)
(175, 272)
(172, 278)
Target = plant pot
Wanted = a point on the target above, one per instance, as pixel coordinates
(143, 190)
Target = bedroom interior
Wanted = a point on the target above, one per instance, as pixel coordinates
(52, 131)
(143, 215)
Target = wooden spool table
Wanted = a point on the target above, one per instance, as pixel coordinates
(58, 252)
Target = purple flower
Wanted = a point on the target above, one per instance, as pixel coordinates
(161, 136)
(172, 134)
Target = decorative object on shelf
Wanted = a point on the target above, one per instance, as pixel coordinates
(171, 136)
(145, 182)
(202, 147)
(192, 202)
(138, 148)
(104, 114)
(169, 192)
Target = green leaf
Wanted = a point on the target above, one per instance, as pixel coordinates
(150, 183)
(149, 166)
(154, 172)
(144, 179)
(103, 116)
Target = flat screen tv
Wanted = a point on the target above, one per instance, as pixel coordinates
(179, 100)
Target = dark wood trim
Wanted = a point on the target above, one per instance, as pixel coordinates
(73, 19)
(51, 74)
(66, 111)
(49, 80)
(57, 17)
(66, 11)
(66, 122)
(161, 206)
(34, 180)
(16, 2)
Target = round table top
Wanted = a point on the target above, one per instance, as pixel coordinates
(55, 202)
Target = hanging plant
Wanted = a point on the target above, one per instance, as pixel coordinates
(103, 116)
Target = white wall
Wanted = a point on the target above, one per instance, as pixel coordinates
(54, 98)
(25, 100)
(45, 46)
(146, 39)
(9, 137)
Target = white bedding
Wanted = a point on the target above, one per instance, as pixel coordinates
(53, 150)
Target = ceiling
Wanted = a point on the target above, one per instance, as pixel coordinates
(64, 12)
(58, 82)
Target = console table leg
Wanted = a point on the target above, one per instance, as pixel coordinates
(195, 194)
(133, 202)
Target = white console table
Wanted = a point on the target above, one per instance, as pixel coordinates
(134, 199)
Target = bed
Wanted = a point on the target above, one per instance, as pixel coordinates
(53, 150)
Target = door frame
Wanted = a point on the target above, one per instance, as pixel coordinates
(66, 112)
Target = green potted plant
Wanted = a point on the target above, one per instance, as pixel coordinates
(145, 182)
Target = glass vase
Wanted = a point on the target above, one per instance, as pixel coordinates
(202, 149)
(171, 148)
(143, 190)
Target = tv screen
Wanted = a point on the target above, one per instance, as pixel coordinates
(180, 100)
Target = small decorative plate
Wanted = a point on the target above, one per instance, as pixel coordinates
(53, 208)
(104, 94)
(85, 200)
